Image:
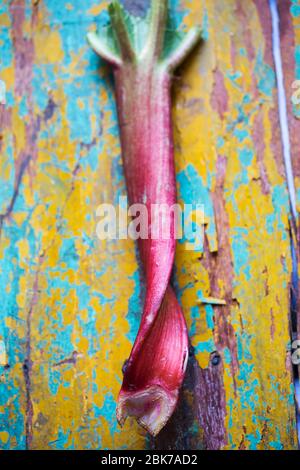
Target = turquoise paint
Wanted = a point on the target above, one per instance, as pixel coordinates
(61, 343)
(246, 156)
(134, 308)
(230, 420)
(239, 125)
(195, 317)
(39, 82)
(220, 142)
(79, 120)
(62, 18)
(91, 158)
(298, 194)
(205, 25)
(177, 13)
(11, 390)
(248, 397)
(108, 411)
(192, 191)
(241, 134)
(6, 47)
(244, 347)
(226, 355)
(68, 254)
(62, 441)
(12, 419)
(94, 385)
(205, 346)
(9, 99)
(240, 249)
(234, 78)
(7, 184)
(265, 76)
(54, 379)
(23, 107)
(209, 315)
(276, 445)
(4, 8)
(296, 108)
(275, 220)
(297, 62)
(295, 9)
(90, 331)
(254, 440)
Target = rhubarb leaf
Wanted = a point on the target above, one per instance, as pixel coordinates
(127, 37)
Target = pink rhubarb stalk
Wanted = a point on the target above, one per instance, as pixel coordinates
(143, 74)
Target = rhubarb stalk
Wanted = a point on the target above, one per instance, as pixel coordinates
(144, 55)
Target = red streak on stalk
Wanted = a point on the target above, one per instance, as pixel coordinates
(157, 363)
(156, 366)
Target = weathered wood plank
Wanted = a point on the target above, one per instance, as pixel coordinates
(71, 303)
(289, 12)
(290, 43)
(228, 141)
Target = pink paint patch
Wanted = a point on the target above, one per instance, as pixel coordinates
(219, 98)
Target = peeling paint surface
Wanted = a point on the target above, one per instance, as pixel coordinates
(290, 51)
(70, 304)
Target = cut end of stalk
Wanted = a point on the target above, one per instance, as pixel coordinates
(151, 407)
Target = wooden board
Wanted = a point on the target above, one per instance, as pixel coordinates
(290, 51)
(70, 304)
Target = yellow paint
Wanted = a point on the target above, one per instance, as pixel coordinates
(212, 300)
(4, 436)
(97, 9)
(48, 47)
